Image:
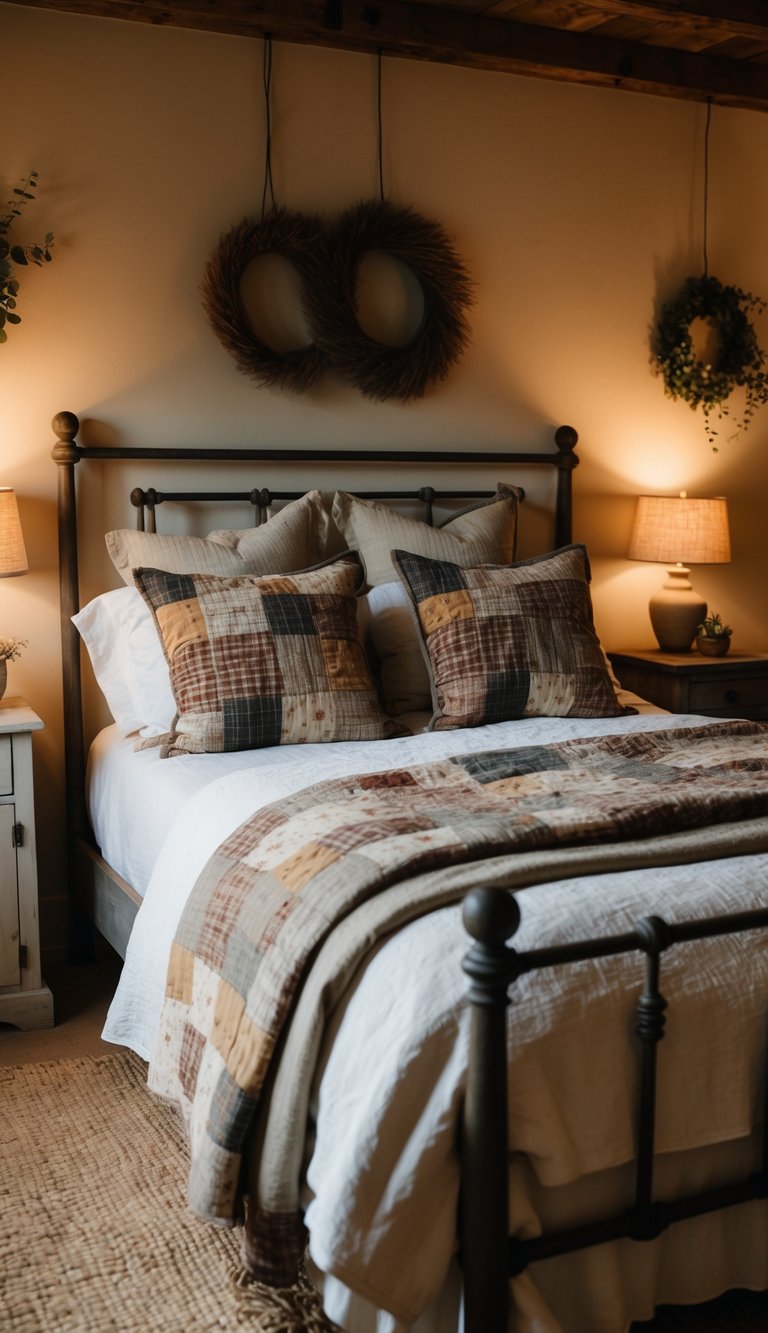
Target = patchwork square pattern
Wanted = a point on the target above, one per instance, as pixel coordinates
(504, 642)
(256, 661)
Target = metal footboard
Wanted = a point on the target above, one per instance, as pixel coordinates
(489, 1256)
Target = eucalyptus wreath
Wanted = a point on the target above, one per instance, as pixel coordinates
(739, 360)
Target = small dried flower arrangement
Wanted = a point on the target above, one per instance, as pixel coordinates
(11, 648)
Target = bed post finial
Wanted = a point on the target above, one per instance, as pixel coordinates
(65, 425)
(566, 439)
(66, 453)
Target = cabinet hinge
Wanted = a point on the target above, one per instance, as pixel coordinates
(18, 835)
(22, 955)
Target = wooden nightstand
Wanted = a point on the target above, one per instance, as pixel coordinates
(731, 686)
(25, 1000)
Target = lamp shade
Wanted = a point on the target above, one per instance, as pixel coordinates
(13, 557)
(677, 531)
(680, 529)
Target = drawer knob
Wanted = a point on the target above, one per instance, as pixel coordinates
(731, 696)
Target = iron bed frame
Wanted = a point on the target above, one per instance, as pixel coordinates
(98, 896)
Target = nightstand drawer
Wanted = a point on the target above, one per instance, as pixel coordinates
(727, 693)
(6, 767)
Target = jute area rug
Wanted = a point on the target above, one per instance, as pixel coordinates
(94, 1231)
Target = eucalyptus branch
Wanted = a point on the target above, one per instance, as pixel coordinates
(12, 256)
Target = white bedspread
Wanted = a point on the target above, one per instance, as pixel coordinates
(175, 812)
(366, 1201)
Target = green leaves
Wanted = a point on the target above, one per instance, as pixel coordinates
(738, 360)
(22, 256)
(712, 627)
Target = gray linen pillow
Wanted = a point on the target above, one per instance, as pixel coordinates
(483, 534)
(293, 538)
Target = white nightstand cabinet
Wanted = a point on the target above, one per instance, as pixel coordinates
(25, 1000)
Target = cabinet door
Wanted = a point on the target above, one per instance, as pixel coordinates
(10, 973)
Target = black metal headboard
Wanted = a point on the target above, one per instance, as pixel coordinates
(67, 453)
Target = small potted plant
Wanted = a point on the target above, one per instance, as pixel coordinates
(713, 638)
(9, 649)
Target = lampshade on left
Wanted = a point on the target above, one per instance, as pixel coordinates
(13, 557)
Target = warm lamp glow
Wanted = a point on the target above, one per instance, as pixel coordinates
(13, 557)
(677, 530)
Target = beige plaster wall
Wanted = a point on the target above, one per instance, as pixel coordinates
(575, 209)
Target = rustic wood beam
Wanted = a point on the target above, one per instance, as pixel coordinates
(437, 33)
(736, 18)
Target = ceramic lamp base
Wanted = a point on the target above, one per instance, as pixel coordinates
(676, 612)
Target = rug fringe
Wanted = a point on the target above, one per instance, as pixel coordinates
(296, 1309)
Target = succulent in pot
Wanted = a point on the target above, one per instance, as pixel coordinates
(713, 638)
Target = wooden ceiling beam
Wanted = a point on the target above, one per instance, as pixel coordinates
(447, 35)
(737, 18)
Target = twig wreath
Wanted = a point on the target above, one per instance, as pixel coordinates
(377, 369)
(328, 264)
(298, 238)
(739, 360)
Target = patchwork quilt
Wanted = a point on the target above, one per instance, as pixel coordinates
(326, 863)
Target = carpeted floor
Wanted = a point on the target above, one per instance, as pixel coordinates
(94, 1233)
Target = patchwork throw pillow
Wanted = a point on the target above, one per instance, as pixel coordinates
(263, 661)
(512, 642)
(293, 538)
(484, 534)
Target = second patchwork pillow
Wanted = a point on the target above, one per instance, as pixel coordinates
(513, 641)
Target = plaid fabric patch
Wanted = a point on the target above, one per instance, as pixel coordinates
(509, 641)
(272, 660)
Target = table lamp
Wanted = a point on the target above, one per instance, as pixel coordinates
(13, 557)
(677, 531)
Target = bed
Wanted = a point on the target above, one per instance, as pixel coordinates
(353, 1133)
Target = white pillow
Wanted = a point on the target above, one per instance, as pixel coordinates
(128, 661)
(395, 637)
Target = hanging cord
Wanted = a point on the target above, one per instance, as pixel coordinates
(379, 131)
(706, 183)
(267, 80)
